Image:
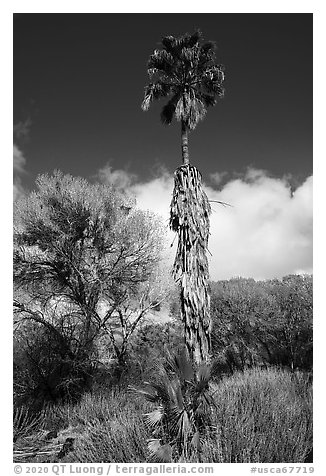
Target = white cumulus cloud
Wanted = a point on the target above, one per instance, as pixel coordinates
(266, 233)
(118, 178)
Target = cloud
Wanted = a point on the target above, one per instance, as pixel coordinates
(266, 233)
(218, 177)
(22, 129)
(155, 195)
(120, 179)
(19, 162)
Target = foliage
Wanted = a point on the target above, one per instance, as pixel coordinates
(149, 345)
(83, 260)
(24, 422)
(46, 367)
(104, 427)
(183, 400)
(260, 415)
(257, 323)
(114, 432)
(185, 71)
(292, 332)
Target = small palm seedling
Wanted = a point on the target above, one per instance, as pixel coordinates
(183, 402)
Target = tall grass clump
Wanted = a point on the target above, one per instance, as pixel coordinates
(261, 416)
(25, 422)
(107, 428)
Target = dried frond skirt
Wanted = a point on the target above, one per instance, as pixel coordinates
(189, 218)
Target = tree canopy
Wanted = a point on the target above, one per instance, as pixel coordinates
(85, 263)
(185, 71)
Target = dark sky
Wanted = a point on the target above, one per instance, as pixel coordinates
(79, 81)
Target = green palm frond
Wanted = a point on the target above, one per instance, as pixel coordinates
(182, 107)
(197, 112)
(168, 110)
(160, 61)
(207, 56)
(165, 392)
(208, 99)
(154, 418)
(208, 48)
(169, 43)
(181, 365)
(203, 375)
(153, 91)
(185, 427)
(159, 453)
(188, 41)
(178, 393)
(150, 393)
(195, 38)
(190, 109)
(192, 79)
(195, 441)
(182, 413)
(190, 57)
(180, 426)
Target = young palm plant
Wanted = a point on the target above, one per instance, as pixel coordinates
(183, 401)
(184, 71)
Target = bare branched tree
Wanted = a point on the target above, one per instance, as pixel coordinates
(83, 260)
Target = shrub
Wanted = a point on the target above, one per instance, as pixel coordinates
(262, 322)
(181, 418)
(85, 264)
(45, 370)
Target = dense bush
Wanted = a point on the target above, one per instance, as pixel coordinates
(85, 264)
(151, 342)
(263, 322)
(46, 367)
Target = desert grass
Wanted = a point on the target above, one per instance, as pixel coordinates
(261, 416)
(112, 427)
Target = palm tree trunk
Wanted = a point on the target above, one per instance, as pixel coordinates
(189, 218)
(184, 143)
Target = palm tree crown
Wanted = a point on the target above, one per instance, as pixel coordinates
(185, 71)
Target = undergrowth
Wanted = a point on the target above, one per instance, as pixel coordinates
(261, 416)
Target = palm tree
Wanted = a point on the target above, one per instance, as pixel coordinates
(184, 70)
